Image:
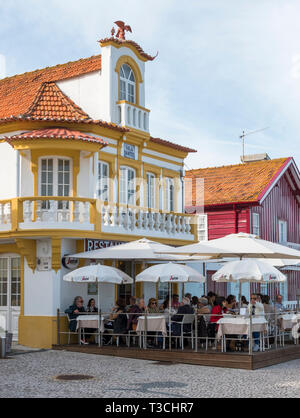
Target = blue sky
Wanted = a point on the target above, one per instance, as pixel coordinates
(224, 66)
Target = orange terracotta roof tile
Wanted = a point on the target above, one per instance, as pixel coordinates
(50, 101)
(234, 183)
(125, 42)
(55, 133)
(17, 93)
(171, 145)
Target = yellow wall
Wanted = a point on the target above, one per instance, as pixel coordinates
(41, 331)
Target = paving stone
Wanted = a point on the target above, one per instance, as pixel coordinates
(32, 374)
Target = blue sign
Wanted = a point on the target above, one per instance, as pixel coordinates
(129, 151)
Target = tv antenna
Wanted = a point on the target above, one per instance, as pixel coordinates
(242, 137)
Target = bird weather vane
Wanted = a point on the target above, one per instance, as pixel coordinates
(121, 31)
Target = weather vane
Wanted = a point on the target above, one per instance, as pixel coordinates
(122, 29)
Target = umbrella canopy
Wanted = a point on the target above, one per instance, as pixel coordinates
(250, 270)
(143, 249)
(241, 245)
(170, 273)
(98, 273)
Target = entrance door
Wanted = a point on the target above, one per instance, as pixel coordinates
(125, 290)
(10, 293)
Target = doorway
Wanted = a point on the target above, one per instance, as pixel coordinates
(10, 293)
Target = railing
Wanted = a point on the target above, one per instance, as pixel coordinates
(133, 116)
(77, 213)
(202, 332)
(5, 215)
(143, 221)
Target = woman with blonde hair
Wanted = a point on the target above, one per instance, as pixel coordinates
(152, 306)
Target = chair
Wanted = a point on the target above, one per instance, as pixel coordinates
(188, 319)
(69, 331)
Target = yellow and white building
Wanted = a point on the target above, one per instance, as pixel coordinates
(79, 170)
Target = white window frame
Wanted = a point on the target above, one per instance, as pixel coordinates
(202, 227)
(170, 202)
(125, 196)
(55, 184)
(256, 224)
(126, 84)
(151, 190)
(282, 232)
(103, 182)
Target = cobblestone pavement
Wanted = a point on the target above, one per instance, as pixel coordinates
(32, 374)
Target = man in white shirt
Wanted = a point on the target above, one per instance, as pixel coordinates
(256, 308)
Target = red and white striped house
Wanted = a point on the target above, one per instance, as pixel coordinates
(259, 197)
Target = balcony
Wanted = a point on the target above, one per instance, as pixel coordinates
(133, 116)
(81, 214)
(132, 220)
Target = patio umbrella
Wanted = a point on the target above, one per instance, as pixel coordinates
(142, 249)
(240, 245)
(98, 274)
(170, 273)
(248, 270)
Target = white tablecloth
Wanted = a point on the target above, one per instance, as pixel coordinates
(90, 321)
(240, 326)
(154, 324)
(287, 321)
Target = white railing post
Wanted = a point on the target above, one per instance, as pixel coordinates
(1, 214)
(87, 212)
(39, 211)
(76, 213)
(27, 211)
(51, 212)
(8, 212)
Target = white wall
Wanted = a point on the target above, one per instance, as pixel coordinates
(26, 175)
(68, 291)
(85, 91)
(8, 171)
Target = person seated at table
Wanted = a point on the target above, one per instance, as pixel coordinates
(189, 296)
(152, 307)
(184, 309)
(203, 308)
(165, 304)
(256, 308)
(216, 315)
(91, 308)
(175, 302)
(114, 323)
(211, 297)
(194, 302)
(244, 302)
(132, 302)
(73, 312)
(278, 304)
(134, 313)
(231, 304)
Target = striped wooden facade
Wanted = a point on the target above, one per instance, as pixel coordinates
(279, 203)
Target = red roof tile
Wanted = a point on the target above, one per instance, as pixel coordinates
(171, 145)
(126, 42)
(19, 92)
(235, 183)
(50, 101)
(55, 133)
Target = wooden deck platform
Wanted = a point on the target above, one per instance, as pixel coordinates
(202, 358)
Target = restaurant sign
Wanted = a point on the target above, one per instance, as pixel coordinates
(96, 244)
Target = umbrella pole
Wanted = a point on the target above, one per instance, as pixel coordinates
(240, 294)
(170, 327)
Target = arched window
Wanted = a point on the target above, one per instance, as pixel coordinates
(127, 84)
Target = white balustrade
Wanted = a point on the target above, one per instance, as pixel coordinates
(56, 214)
(5, 216)
(133, 116)
(138, 221)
